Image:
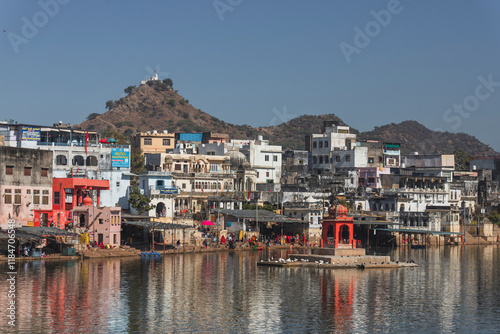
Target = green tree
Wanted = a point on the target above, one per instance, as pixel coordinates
(92, 116)
(462, 160)
(140, 202)
(171, 102)
(168, 82)
(494, 217)
(129, 89)
(110, 104)
(137, 164)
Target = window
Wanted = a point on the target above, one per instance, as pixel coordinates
(275, 158)
(315, 160)
(78, 160)
(9, 170)
(27, 171)
(118, 184)
(337, 158)
(101, 221)
(314, 144)
(326, 143)
(320, 144)
(267, 174)
(36, 196)
(8, 196)
(266, 158)
(45, 197)
(183, 186)
(91, 161)
(320, 159)
(61, 160)
(28, 191)
(370, 160)
(56, 198)
(45, 172)
(348, 158)
(17, 196)
(166, 142)
(178, 167)
(148, 141)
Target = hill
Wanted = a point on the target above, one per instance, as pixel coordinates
(414, 137)
(157, 106)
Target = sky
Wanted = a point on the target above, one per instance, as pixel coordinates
(259, 62)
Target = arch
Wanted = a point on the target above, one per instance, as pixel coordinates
(330, 233)
(344, 234)
(91, 161)
(61, 160)
(78, 160)
(161, 209)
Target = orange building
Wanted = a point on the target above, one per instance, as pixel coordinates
(68, 193)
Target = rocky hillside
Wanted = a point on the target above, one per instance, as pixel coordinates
(157, 106)
(414, 137)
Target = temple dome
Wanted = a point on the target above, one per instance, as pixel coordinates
(236, 158)
(341, 210)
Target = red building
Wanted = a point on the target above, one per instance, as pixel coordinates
(338, 228)
(68, 193)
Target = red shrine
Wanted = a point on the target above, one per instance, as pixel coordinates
(338, 228)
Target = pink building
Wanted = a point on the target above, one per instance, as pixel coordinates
(102, 224)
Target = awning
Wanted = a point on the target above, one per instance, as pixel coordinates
(156, 225)
(418, 231)
(262, 216)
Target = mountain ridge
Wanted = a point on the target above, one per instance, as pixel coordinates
(157, 106)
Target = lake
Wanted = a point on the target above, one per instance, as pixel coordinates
(456, 289)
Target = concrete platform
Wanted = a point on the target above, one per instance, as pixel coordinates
(339, 251)
(350, 260)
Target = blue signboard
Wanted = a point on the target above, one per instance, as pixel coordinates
(30, 133)
(169, 191)
(120, 157)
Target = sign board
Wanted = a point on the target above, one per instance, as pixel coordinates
(30, 133)
(120, 157)
(169, 191)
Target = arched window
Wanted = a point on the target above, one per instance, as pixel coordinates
(78, 160)
(61, 160)
(91, 161)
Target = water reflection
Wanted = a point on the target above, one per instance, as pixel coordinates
(455, 290)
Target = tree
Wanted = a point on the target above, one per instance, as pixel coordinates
(168, 82)
(110, 104)
(137, 164)
(171, 102)
(462, 160)
(140, 202)
(92, 116)
(129, 89)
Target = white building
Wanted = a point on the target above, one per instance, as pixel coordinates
(264, 158)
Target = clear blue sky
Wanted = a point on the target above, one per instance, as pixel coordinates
(258, 62)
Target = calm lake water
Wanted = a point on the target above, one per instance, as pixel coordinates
(456, 289)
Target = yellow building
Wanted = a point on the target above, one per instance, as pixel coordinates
(154, 142)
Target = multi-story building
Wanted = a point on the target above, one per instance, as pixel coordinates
(154, 142)
(77, 153)
(265, 159)
(25, 184)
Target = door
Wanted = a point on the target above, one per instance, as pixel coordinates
(100, 238)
